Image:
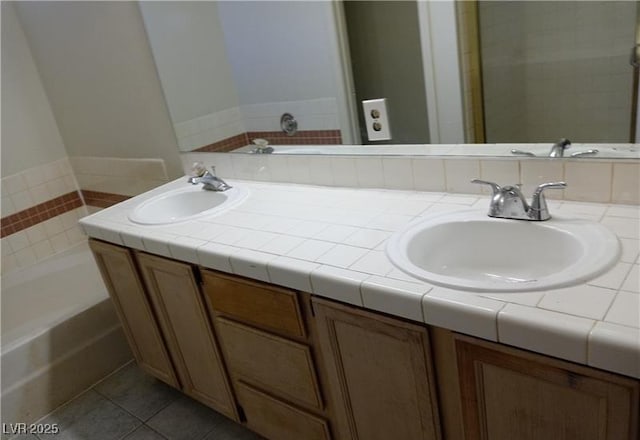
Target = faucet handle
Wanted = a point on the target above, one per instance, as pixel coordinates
(494, 186)
(539, 210)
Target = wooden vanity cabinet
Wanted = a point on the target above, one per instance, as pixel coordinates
(380, 374)
(183, 318)
(120, 275)
(269, 353)
(491, 391)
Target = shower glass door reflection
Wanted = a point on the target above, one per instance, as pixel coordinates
(557, 69)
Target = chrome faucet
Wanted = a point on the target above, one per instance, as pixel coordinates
(557, 150)
(509, 202)
(210, 181)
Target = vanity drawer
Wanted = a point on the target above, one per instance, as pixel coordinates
(275, 419)
(270, 362)
(256, 303)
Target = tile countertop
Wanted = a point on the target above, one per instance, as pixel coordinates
(331, 241)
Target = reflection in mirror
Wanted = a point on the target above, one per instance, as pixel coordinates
(450, 73)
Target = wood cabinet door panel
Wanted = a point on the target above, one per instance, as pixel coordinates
(273, 363)
(277, 420)
(184, 320)
(119, 273)
(506, 396)
(380, 369)
(256, 303)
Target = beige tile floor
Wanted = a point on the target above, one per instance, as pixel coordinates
(131, 405)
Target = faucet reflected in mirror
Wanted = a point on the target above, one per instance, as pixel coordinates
(502, 71)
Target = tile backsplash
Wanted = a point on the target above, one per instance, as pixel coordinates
(40, 211)
(593, 180)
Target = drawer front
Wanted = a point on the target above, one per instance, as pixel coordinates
(256, 303)
(278, 365)
(276, 420)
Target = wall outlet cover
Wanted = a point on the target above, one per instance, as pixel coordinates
(377, 119)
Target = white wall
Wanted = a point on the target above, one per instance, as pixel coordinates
(30, 136)
(97, 69)
(280, 51)
(188, 47)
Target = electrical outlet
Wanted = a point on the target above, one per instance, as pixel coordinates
(377, 119)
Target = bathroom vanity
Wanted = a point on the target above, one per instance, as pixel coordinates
(295, 362)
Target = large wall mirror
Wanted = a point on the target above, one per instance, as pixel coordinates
(446, 72)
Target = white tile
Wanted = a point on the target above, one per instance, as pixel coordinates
(625, 188)
(9, 263)
(40, 193)
(5, 247)
(341, 255)
(398, 173)
(625, 310)
(320, 172)
(629, 211)
(25, 257)
(7, 206)
(615, 348)
(310, 250)
(18, 241)
(281, 244)
(57, 187)
(157, 243)
(588, 181)
(503, 172)
(544, 331)
(344, 171)
(53, 226)
(185, 248)
(459, 173)
(463, 312)
(586, 301)
(397, 274)
(390, 222)
(230, 236)
(428, 174)
(398, 298)
(374, 262)
(339, 284)
(280, 225)
(216, 256)
(15, 183)
(252, 264)
(299, 169)
(632, 283)
(370, 172)
(523, 298)
(60, 242)
(533, 172)
(256, 239)
(458, 199)
(22, 200)
(336, 233)
(612, 279)
(69, 219)
(131, 237)
(623, 227)
(292, 273)
(43, 249)
(75, 235)
(307, 229)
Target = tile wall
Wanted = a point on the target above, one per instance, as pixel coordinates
(41, 206)
(40, 211)
(545, 62)
(105, 180)
(591, 180)
(236, 127)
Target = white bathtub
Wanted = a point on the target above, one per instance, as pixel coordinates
(59, 334)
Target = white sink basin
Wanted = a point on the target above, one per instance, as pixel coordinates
(186, 204)
(470, 251)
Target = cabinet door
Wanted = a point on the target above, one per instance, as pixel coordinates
(185, 323)
(512, 394)
(119, 273)
(379, 374)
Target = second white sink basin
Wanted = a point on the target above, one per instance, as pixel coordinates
(470, 251)
(186, 204)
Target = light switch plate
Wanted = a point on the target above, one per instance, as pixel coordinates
(377, 119)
